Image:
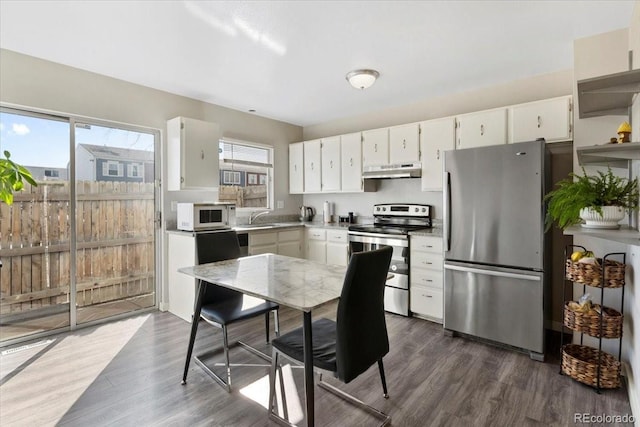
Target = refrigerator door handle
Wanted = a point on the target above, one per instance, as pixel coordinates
(533, 278)
(447, 212)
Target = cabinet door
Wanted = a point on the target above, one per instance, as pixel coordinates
(293, 249)
(296, 168)
(263, 249)
(427, 302)
(436, 137)
(312, 166)
(351, 160)
(404, 144)
(337, 253)
(182, 288)
(330, 149)
(549, 119)
(316, 251)
(482, 129)
(193, 160)
(375, 147)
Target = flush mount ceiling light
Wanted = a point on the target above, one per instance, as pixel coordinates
(362, 79)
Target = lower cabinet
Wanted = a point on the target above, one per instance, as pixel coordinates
(426, 277)
(182, 288)
(327, 246)
(286, 242)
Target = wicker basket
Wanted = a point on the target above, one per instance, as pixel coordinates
(590, 274)
(581, 363)
(590, 323)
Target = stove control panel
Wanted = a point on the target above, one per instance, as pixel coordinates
(406, 210)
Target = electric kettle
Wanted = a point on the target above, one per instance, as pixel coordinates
(306, 213)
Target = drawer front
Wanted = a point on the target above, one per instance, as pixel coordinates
(289, 236)
(426, 301)
(426, 244)
(256, 239)
(430, 278)
(428, 260)
(338, 236)
(266, 249)
(316, 234)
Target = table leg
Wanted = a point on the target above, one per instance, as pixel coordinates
(194, 327)
(308, 367)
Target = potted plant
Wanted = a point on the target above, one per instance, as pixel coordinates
(600, 200)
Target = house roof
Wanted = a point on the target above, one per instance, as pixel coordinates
(117, 153)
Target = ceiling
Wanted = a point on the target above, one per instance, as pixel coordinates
(287, 60)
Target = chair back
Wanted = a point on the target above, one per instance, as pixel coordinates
(213, 247)
(361, 331)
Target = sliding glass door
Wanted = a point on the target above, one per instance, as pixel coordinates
(81, 245)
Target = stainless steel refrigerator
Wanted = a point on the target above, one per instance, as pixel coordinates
(495, 280)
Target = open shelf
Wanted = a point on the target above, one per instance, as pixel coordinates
(614, 155)
(608, 95)
(624, 234)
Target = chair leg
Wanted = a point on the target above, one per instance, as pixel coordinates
(226, 356)
(276, 321)
(272, 379)
(266, 324)
(194, 328)
(384, 382)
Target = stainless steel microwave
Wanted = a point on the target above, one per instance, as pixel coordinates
(205, 216)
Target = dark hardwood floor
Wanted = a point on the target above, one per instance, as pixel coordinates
(128, 373)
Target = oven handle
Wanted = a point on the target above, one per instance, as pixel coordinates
(380, 239)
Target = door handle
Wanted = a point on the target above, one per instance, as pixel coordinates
(447, 212)
(492, 272)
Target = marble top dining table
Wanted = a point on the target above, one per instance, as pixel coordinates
(293, 282)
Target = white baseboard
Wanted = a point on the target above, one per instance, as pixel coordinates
(164, 306)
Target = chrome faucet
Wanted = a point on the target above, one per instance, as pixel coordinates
(253, 216)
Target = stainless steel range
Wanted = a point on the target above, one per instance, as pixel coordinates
(391, 227)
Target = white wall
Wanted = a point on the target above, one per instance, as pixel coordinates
(36, 83)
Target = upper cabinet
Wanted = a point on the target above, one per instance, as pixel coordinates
(404, 146)
(351, 160)
(296, 168)
(375, 147)
(482, 128)
(436, 137)
(549, 119)
(330, 159)
(192, 154)
(312, 166)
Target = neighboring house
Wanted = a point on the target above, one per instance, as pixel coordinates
(48, 173)
(104, 163)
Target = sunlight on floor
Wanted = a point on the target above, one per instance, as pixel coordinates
(49, 406)
(258, 391)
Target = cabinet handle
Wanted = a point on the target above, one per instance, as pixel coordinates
(331, 164)
(350, 161)
(375, 147)
(182, 179)
(481, 130)
(202, 154)
(539, 122)
(295, 168)
(438, 154)
(427, 296)
(404, 143)
(428, 263)
(311, 165)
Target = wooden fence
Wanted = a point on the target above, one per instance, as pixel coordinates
(115, 257)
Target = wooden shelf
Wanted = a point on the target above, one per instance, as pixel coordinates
(624, 234)
(608, 95)
(614, 155)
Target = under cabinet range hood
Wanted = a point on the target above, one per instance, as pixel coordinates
(404, 170)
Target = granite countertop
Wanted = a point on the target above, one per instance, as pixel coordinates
(433, 232)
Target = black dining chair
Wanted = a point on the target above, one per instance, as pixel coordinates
(355, 341)
(219, 306)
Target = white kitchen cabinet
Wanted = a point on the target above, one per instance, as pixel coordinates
(286, 242)
(296, 168)
(351, 162)
(426, 277)
(192, 154)
(337, 247)
(436, 137)
(404, 145)
(182, 288)
(375, 147)
(312, 166)
(330, 150)
(481, 129)
(550, 119)
(316, 245)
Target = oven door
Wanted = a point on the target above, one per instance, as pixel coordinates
(396, 294)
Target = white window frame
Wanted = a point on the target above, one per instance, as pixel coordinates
(140, 170)
(106, 169)
(231, 178)
(270, 173)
